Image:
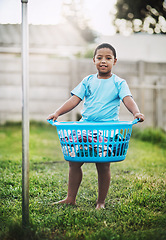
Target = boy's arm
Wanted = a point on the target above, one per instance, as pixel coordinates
(133, 108)
(66, 107)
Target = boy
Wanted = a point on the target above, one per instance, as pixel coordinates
(102, 92)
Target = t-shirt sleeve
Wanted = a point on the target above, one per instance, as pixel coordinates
(123, 89)
(80, 89)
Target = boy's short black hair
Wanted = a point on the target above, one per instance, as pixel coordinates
(105, 45)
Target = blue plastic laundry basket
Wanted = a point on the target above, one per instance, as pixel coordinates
(94, 142)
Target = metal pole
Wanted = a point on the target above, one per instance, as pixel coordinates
(25, 116)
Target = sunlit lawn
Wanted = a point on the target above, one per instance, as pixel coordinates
(135, 206)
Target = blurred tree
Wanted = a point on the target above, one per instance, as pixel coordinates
(73, 11)
(140, 16)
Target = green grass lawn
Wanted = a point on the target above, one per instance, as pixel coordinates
(135, 205)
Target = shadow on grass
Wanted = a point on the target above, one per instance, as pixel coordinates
(17, 232)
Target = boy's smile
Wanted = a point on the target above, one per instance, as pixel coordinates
(104, 61)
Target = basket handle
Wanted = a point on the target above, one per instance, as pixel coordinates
(53, 123)
(135, 121)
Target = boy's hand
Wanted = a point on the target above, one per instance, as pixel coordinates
(53, 116)
(140, 116)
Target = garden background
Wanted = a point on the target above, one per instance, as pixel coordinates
(60, 56)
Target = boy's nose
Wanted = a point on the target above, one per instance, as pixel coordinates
(103, 60)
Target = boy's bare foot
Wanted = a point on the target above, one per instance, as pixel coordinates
(100, 205)
(65, 201)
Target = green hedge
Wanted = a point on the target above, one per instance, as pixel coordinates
(153, 135)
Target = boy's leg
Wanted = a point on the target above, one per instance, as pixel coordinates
(104, 177)
(75, 177)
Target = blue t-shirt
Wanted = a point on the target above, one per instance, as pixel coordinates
(102, 97)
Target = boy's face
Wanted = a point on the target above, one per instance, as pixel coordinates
(104, 61)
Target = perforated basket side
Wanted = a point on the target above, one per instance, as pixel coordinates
(94, 143)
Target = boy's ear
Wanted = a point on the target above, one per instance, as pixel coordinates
(93, 60)
(115, 60)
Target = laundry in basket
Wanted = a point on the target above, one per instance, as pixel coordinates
(84, 148)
